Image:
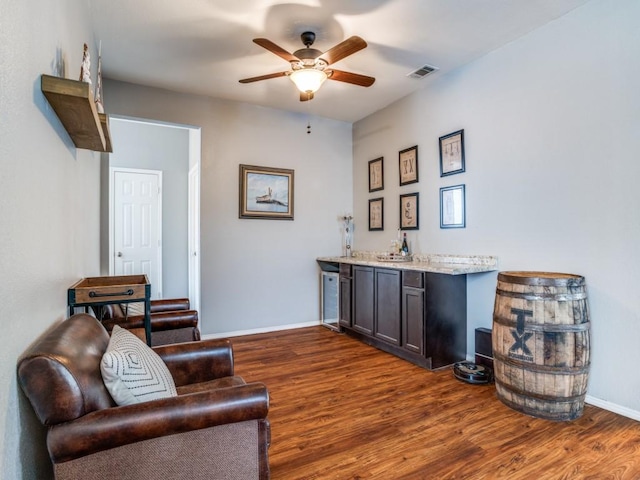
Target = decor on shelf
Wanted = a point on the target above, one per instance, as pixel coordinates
(408, 164)
(376, 174)
(452, 207)
(98, 93)
(347, 243)
(409, 211)
(266, 192)
(85, 67)
(310, 67)
(376, 214)
(452, 153)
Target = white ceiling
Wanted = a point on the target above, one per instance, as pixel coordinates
(205, 46)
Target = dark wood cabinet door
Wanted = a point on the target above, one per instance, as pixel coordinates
(413, 319)
(387, 305)
(363, 299)
(345, 302)
(446, 314)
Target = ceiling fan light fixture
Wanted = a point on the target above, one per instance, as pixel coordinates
(308, 80)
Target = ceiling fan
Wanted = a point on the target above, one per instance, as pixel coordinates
(310, 67)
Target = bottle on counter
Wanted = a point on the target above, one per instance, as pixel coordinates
(405, 245)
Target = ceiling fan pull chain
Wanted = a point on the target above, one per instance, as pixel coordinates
(308, 113)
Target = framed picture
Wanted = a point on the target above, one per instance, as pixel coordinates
(452, 207)
(376, 214)
(409, 211)
(452, 153)
(376, 174)
(408, 165)
(266, 193)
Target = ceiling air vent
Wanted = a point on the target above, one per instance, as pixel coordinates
(422, 71)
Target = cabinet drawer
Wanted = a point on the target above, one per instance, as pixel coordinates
(412, 279)
(345, 270)
(110, 289)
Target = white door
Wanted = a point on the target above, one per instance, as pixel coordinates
(136, 229)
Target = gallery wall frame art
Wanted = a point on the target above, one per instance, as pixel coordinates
(408, 165)
(376, 174)
(376, 214)
(452, 153)
(410, 211)
(452, 207)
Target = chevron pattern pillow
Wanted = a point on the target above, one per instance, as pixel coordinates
(133, 372)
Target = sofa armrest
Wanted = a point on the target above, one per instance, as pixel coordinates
(159, 321)
(118, 426)
(170, 305)
(196, 362)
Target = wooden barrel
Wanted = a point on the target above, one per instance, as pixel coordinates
(540, 343)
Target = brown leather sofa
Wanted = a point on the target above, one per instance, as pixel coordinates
(215, 428)
(172, 321)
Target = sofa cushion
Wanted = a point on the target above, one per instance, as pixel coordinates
(132, 309)
(133, 372)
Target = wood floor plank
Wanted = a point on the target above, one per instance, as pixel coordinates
(343, 410)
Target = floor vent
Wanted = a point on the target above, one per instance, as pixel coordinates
(422, 71)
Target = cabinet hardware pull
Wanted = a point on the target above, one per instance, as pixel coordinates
(115, 294)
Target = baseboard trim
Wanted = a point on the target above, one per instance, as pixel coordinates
(613, 407)
(253, 331)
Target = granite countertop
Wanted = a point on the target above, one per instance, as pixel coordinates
(435, 263)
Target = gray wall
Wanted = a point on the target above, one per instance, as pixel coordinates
(166, 148)
(551, 127)
(256, 274)
(49, 206)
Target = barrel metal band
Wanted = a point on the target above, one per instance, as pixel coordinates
(560, 281)
(539, 396)
(546, 328)
(560, 297)
(540, 368)
(560, 416)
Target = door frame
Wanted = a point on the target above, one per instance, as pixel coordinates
(112, 196)
(194, 226)
(194, 232)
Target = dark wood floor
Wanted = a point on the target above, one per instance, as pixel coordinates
(343, 410)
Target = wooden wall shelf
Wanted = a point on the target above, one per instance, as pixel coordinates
(74, 105)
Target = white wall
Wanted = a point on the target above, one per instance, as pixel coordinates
(49, 206)
(256, 274)
(154, 146)
(551, 127)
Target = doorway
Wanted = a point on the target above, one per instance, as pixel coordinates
(174, 150)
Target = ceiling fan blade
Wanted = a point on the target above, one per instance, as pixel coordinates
(264, 77)
(273, 48)
(306, 96)
(350, 46)
(354, 78)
